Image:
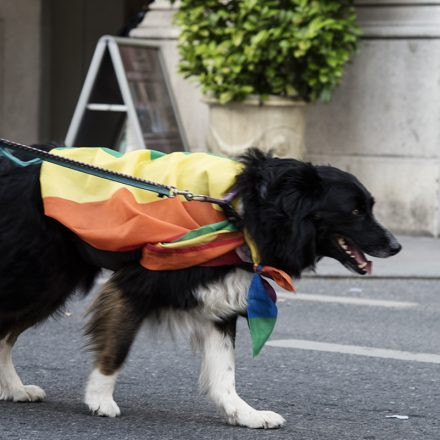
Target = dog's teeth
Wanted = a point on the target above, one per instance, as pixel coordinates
(342, 243)
(361, 266)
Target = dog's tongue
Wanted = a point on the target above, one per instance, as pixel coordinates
(360, 259)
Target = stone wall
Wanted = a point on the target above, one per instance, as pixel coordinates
(21, 69)
(383, 123)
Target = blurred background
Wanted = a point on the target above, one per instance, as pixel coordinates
(382, 122)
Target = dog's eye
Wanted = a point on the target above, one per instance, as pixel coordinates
(356, 212)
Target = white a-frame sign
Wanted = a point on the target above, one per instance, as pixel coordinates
(126, 100)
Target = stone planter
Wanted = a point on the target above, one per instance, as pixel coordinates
(277, 125)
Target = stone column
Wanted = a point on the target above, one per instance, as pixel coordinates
(158, 28)
(383, 123)
(21, 70)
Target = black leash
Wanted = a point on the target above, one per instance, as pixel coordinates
(147, 185)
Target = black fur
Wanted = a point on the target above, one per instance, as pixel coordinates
(159, 287)
(228, 327)
(39, 265)
(279, 196)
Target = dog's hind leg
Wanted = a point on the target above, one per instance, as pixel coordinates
(11, 386)
(217, 378)
(112, 330)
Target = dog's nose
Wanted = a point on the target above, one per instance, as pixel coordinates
(395, 248)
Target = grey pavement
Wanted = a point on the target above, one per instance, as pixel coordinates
(323, 395)
(419, 258)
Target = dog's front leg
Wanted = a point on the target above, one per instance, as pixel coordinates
(217, 379)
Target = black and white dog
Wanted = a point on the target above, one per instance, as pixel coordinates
(296, 214)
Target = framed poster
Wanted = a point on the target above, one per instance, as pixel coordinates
(127, 100)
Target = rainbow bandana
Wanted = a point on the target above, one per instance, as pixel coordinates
(171, 233)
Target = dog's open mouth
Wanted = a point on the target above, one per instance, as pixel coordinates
(356, 260)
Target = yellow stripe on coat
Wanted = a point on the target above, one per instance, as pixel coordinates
(200, 173)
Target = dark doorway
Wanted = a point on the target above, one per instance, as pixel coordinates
(72, 29)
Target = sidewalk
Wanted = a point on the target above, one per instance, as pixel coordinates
(419, 258)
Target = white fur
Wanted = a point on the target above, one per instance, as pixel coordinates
(217, 378)
(225, 297)
(217, 301)
(11, 387)
(99, 394)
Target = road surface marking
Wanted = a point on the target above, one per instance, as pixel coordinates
(347, 300)
(356, 350)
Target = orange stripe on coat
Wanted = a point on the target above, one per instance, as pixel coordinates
(117, 224)
(156, 258)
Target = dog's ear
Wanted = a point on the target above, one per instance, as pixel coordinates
(267, 175)
(299, 201)
(302, 241)
(260, 170)
(279, 197)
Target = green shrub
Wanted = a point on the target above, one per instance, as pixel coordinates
(292, 48)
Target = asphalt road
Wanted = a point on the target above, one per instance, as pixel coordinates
(323, 395)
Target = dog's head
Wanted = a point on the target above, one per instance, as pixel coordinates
(298, 213)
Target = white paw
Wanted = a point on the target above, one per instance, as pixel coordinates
(257, 419)
(25, 393)
(102, 406)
